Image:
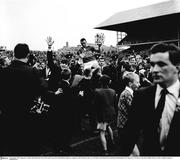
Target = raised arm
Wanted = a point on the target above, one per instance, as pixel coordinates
(50, 42)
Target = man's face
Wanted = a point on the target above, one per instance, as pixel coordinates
(163, 71)
(132, 60)
(84, 43)
(102, 62)
(138, 59)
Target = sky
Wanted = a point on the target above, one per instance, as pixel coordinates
(32, 21)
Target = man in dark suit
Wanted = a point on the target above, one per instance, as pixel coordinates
(63, 114)
(53, 69)
(20, 85)
(159, 125)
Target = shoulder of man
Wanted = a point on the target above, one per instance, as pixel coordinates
(145, 91)
(112, 90)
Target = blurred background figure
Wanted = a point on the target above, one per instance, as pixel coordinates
(4, 61)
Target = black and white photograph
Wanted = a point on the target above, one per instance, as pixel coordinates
(89, 79)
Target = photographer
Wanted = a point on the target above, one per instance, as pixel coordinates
(20, 85)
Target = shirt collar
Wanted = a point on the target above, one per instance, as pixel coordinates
(129, 89)
(66, 81)
(173, 89)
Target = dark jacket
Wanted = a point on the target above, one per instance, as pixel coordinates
(105, 101)
(55, 76)
(20, 85)
(141, 117)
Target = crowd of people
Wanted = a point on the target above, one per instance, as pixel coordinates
(45, 105)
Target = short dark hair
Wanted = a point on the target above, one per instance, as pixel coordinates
(126, 65)
(66, 74)
(21, 50)
(172, 49)
(105, 80)
(82, 39)
(87, 72)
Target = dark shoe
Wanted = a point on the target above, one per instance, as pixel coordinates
(68, 150)
(105, 153)
(111, 146)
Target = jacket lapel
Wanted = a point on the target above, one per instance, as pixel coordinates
(152, 94)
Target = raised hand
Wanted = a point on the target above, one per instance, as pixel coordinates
(50, 42)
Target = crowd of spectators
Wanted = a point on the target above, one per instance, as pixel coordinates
(75, 91)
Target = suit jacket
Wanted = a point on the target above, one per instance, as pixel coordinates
(63, 106)
(62, 114)
(20, 84)
(86, 86)
(141, 118)
(55, 76)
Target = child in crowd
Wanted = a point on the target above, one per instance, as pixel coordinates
(105, 101)
(132, 82)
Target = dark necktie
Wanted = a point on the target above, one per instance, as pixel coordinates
(160, 106)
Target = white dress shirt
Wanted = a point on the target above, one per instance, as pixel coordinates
(169, 108)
